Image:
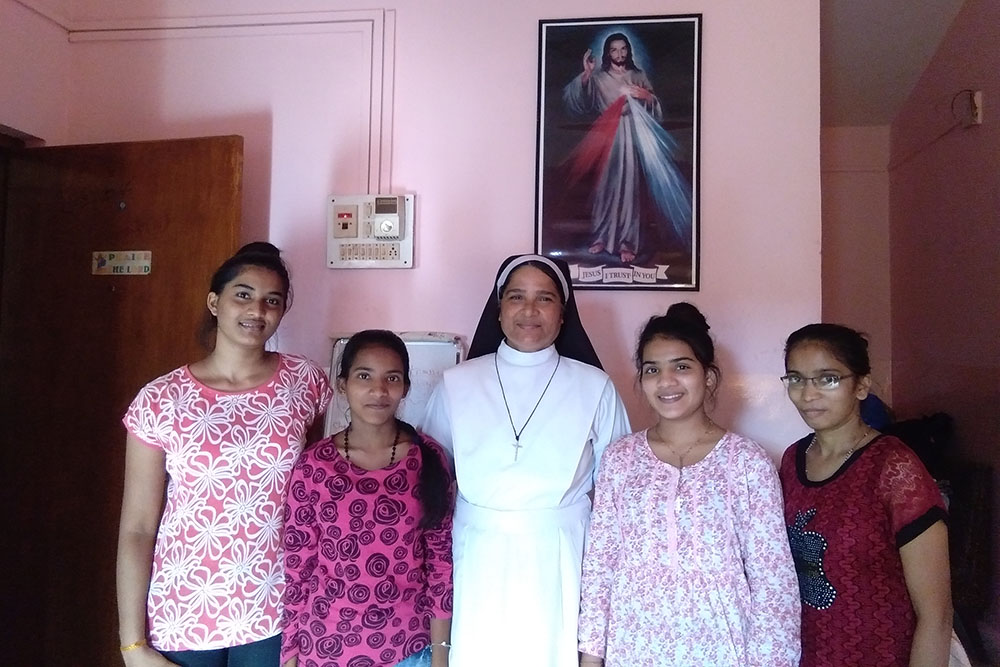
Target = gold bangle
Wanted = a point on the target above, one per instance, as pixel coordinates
(133, 646)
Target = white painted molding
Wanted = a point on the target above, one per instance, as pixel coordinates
(378, 28)
(383, 181)
(82, 29)
(50, 9)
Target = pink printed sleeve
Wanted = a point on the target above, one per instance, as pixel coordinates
(322, 390)
(146, 418)
(775, 615)
(301, 540)
(318, 392)
(604, 543)
(437, 546)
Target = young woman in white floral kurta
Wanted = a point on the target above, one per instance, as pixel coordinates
(687, 559)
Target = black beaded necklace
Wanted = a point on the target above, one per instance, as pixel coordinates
(347, 443)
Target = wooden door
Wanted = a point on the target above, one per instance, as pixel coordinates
(75, 348)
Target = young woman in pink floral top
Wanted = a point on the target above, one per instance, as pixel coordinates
(368, 529)
(687, 559)
(201, 585)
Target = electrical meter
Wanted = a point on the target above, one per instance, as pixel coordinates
(369, 231)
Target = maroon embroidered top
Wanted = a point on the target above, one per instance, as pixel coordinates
(845, 533)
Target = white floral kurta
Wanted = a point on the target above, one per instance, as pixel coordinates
(689, 567)
(217, 576)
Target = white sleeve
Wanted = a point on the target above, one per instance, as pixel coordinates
(437, 419)
(610, 423)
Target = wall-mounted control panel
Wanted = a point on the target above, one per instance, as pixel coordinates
(369, 232)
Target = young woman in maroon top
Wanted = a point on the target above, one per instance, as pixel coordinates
(865, 520)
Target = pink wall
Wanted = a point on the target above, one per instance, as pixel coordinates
(758, 185)
(34, 68)
(464, 141)
(855, 177)
(945, 231)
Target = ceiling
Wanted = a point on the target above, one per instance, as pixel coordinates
(872, 52)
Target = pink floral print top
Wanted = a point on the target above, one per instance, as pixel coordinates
(217, 577)
(691, 566)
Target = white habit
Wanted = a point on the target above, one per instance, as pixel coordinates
(520, 524)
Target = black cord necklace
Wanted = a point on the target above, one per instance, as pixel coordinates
(347, 443)
(517, 434)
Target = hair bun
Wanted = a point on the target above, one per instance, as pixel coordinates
(689, 314)
(258, 248)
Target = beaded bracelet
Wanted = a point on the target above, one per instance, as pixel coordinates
(133, 645)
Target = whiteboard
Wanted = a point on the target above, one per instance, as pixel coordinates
(431, 354)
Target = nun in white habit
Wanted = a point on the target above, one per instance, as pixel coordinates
(526, 419)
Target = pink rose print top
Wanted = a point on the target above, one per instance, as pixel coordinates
(364, 579)
(217, 577)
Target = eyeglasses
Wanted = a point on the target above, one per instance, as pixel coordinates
(825, 382)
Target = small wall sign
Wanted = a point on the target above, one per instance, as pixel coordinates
(121, 263)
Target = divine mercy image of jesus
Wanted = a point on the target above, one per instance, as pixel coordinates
(617, 150)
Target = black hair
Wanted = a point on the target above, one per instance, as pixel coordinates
(258, 253)
(544, 268)
(606, 56)
(684, 322)
(434, 480)
(848, 346)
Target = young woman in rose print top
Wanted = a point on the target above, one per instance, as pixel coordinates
(201, 585)
(687, 561)
(368, 529)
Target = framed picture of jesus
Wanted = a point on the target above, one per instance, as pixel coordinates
(617, 185)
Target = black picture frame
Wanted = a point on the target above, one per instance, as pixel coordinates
(617, 165)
